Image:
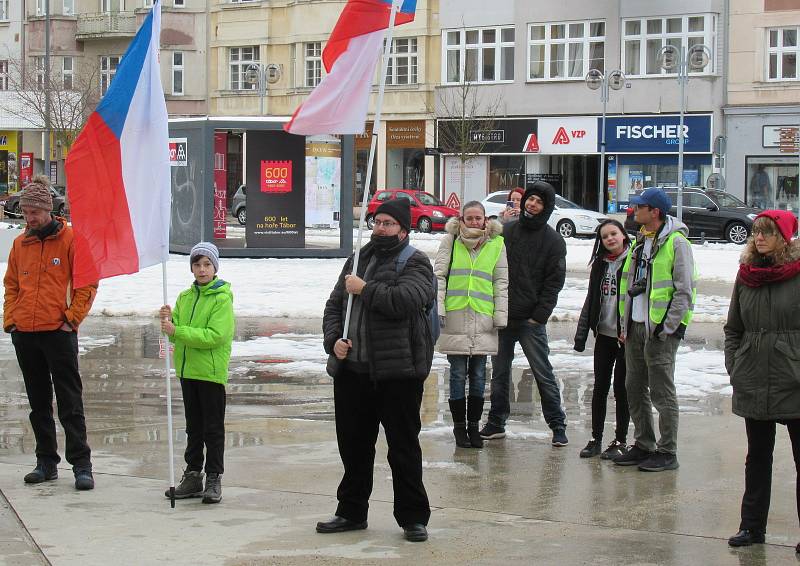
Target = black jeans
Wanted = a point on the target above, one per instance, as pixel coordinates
(204, 407)
(360, 406)
(609, 356)
(49, 361)
(758, 471)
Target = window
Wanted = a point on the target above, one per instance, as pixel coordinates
(484, 55)
(4, 74)
(40, 7)
(565, 50)
(642, 40)
(68, 7)
(772, 182)
(313, 65)
(177, 73)
(403, 62)
(38, 67)
(4, 10)
(108, 68)
(68, 72)
(147, 3)
(239, 59)
(179, 3)
(782, 52)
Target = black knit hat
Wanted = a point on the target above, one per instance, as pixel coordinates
(399, 209)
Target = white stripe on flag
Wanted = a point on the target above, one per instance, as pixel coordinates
(340, 102)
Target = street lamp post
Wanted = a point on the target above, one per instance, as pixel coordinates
(671, 59)
(260, 75)
(595, 79)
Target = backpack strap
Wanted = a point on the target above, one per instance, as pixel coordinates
(402, 258)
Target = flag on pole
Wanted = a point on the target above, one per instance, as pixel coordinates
(118, 171)
(340, 102)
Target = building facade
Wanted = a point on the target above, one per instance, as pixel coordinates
(526, 62)
(762, 114)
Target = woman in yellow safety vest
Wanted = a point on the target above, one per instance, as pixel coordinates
(472, 273)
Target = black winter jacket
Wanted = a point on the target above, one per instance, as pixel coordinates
(399, 341)
(537, 262)
(590, 313)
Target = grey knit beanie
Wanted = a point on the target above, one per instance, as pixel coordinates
(205, 249)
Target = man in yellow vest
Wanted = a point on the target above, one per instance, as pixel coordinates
(656, 301)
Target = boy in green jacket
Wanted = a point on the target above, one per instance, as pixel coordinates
(201, 327)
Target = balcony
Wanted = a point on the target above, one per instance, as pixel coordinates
(106, 25)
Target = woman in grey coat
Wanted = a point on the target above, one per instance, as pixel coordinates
(762, 356)
(472, 273)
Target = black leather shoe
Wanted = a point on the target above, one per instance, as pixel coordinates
(339, 525)
(44, 471)
(746, 538)
(415, 532)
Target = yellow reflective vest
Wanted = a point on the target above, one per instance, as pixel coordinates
(469, 283)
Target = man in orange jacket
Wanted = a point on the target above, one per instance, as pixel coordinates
(42, 312)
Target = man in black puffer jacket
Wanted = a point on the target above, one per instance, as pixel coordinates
(379, 372)
(536, 271)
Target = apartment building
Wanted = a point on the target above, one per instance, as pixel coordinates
(762, 113)
(528, 60)
(12, 40)
(286, 39)
(87, 41)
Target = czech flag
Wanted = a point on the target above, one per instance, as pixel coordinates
(118, 170)
(340, 102)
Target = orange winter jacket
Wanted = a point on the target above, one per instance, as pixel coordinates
(38, 283)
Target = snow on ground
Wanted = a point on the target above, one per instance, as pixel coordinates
(298, 288)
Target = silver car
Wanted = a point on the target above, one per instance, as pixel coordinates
(238, 204)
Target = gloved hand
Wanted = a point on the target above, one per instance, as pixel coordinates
(442, 320)
(579, 346)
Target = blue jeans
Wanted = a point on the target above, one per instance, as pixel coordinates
(460, 367)
(533, 339)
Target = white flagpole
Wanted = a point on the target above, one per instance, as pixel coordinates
(376, 126)
(169, 396)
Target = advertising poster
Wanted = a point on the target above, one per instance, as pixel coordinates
(220, 185)
(637, 181)
(476, 177)
(276, 212)
(178, 152)
(691, 178)
(323, 184)
(612, 185)
(555, 179)
(25, 169)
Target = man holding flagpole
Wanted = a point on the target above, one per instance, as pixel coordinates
(379, 371)
(42, 311)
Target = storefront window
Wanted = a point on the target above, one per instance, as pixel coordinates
(772, 182)
(506, 172)
(636, 173)
(405, 154)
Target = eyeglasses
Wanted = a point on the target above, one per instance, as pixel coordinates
(764, 232)
(385, 223)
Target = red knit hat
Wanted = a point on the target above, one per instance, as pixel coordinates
(785, 220)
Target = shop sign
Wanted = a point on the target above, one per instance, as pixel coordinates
(656, 134)
(487, 136)
(516, 134)
(178, 152)
(576, 136)
(364, 141)
(531, 144)
(405, 134)
(783, 137)
(453, 202)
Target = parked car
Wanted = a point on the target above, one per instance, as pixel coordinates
(568, 218)
(11, 203)
(708, 212)
(427, 212)
(239, 204)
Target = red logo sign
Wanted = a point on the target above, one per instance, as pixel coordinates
(276, 176)
(531, 144)
(453, 201)
(561, 138)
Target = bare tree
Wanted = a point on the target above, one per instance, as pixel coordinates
(466, 122)
(73, 97)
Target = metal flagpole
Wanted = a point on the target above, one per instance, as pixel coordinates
(373, 146)
(169, 396)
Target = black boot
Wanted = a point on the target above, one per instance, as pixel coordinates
(474, 413)
(458, 408)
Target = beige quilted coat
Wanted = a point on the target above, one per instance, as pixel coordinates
(465, 331)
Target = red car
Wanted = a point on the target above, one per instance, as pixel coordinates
(427, 212)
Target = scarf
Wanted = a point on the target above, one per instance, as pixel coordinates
(472, 238)
(754, 276)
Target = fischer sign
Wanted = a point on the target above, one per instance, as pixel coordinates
(576, 135)
(660, 131)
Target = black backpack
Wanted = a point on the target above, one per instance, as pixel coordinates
(432, 308)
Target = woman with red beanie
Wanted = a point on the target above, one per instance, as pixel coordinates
(762, 356)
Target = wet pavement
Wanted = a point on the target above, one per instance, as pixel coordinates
(518, 500)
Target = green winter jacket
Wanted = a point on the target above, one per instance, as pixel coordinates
(203, 319)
